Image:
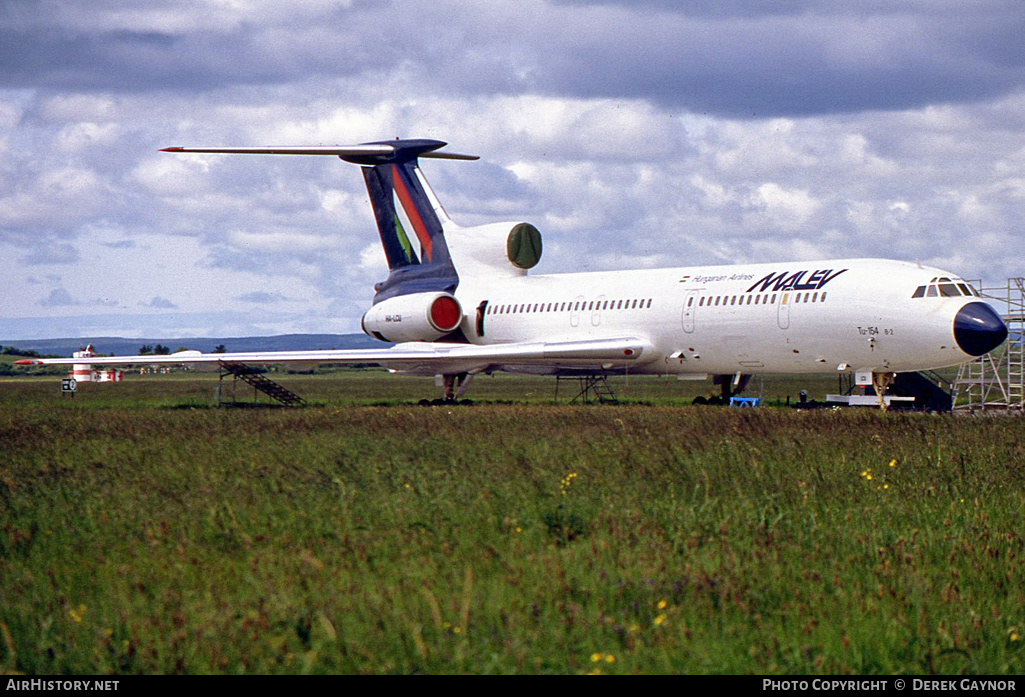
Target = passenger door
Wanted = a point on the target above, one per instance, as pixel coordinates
(783, 310)
(690, 306)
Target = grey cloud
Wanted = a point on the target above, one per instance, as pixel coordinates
(50, 253)
(761, 8)
(58, 297)
(260, 297)
(48, 278)
(93, 54)
(785, 65)
(741, 59)
(160, 303)
(122, 61)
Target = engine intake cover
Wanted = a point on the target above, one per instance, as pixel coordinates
(523, 246)
(413, 317)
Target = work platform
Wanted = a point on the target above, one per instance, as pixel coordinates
(997, 380)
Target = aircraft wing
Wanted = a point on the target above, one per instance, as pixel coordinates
(414, 357)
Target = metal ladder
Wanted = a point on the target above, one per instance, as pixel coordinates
(254, 377)
(588, 384)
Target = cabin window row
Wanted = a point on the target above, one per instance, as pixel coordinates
(572, 306)
(755, 299)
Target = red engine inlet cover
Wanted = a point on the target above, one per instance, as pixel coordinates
(445, 314)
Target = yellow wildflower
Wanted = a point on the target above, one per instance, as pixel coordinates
(662, 604)
(566, 482)
(77, 613)
(659, 620)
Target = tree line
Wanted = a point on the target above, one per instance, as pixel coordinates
(161, 350)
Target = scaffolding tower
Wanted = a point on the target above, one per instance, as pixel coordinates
(997, 380)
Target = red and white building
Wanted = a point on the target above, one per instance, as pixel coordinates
(83, 372)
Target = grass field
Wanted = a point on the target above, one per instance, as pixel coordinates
(142, 531)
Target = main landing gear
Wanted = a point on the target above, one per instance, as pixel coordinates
(455, 385)
(729, 386)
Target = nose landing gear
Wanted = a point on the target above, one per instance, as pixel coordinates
(880, 383)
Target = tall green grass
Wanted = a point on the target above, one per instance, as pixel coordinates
(143, 537)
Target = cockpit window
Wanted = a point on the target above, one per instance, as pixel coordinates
(944, 288)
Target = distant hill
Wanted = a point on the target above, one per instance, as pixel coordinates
(129, 347)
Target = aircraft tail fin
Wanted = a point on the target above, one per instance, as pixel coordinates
(409, 217)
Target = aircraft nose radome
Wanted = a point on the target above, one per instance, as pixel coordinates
(978, 329)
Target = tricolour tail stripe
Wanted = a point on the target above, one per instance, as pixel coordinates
(409, 207)
(407, 248)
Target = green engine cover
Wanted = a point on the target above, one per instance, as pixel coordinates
(524, 246)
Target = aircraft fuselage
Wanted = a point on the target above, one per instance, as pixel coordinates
(804, 317)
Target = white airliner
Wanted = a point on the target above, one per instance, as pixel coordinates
(459, 301)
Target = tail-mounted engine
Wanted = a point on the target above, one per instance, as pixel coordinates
(495, 250)
(413, 317)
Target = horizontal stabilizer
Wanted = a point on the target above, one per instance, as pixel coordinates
(363, 154)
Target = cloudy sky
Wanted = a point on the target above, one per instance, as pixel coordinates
(633, 134)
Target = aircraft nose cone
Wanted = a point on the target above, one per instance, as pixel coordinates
(978, 329)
